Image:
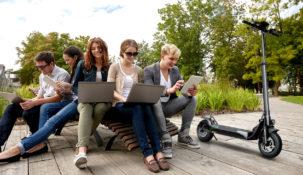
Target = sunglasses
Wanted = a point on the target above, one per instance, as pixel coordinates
(41, 66)
(129, 54)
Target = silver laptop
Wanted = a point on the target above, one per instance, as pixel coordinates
(143, 93)
(90, 92)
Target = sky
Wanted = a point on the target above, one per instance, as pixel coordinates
(112, 20)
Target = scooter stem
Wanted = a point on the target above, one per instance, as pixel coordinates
(264, 82)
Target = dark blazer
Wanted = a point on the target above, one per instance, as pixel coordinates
(152, 75)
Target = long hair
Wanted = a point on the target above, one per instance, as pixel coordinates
(90, 60)
(75, 53)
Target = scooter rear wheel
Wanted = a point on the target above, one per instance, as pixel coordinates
(273, 146)
(203, 132)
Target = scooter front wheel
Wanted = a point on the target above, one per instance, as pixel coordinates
(272, 147)
(203, 132)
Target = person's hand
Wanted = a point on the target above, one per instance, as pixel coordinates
(28, 104)
(63, 87)
(192, 91)
(123, 99)
(177, 86)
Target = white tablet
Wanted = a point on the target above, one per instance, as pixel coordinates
(49, 81)
(193, 80)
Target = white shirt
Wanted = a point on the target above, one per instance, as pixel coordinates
(166, 84)
(98, 76)
(127, 83)
(58, 74)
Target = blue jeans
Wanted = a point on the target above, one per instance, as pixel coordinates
(49, 109)
(144, 125)
(49, 127)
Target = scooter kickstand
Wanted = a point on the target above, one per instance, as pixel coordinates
(215, 137)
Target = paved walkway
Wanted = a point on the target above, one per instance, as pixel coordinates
(225, 156)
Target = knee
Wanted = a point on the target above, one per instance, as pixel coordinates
(84, 107)
(44, 109)
(192, 101)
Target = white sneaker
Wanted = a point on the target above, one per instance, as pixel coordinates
(80, 160)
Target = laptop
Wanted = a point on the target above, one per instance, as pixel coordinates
(90, 92)
(143, 93)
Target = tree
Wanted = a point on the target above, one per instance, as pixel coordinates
(37, 42)
(183, 24)
(146, 55)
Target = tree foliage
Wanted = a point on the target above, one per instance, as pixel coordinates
(36, 42)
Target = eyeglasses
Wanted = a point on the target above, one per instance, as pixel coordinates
(129, 54)
(41, 66)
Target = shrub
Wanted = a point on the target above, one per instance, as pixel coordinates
(24, 91)
(3, 104)
(235, 99)
(215, 99)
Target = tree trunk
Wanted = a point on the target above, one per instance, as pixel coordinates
(276, 87)
(300, 80)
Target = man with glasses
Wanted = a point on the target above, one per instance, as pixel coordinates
(30, 109)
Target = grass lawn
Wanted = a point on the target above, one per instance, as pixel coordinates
(293, 99)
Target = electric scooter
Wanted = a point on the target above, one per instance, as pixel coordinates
(270, 143)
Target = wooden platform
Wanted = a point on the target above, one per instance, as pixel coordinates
(225, 156)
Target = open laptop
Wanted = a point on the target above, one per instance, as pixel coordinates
(90, 92)
(143, 93)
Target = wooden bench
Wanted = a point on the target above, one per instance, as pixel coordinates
(125, 132)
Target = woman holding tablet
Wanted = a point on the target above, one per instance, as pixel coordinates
(141, 115)
(167, 74)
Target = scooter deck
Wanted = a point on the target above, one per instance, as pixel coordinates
(231, 131)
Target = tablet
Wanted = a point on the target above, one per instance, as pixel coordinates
(193, 80)
(49, 81)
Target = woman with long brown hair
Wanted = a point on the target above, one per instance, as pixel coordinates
(93, 68)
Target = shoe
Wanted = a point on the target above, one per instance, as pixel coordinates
(80, 160)
(152, 165)
(188, 141)
(167, 150)
(40, 151)
(10, 159)
(163, 164)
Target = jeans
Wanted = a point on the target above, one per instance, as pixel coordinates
(172, 107)
(10, 115)
(49, 127)
(144, 125)
(49, 109)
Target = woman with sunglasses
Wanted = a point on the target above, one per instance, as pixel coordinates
(125, 74)
(93, 68)
(65, 110)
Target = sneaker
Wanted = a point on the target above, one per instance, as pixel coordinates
(167, 150)
(188, 141)
(80, 160)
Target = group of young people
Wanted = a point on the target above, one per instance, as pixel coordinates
(53, 106)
